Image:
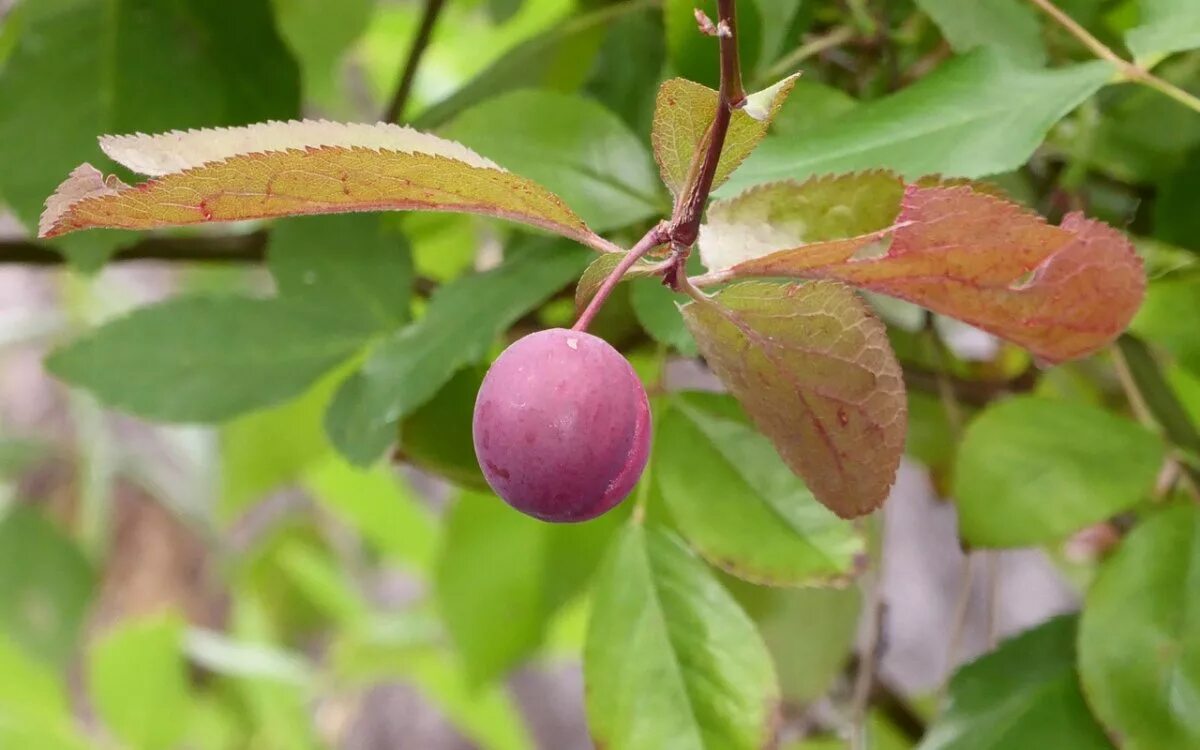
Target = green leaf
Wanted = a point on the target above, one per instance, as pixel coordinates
(683, 115)
(1174, 220)
(813, 368)
(499, 566)
(695, 56)
(178, 64)
(462, 321)
(810, 105)
(811, 633)
(1171, 303)
(437, 437)
(1024, 694)
(558, 60)
(573, 146)
(1012, 26)
(319, 38)
(740, 505)
(1032, 470)
(1139, 638)
(45, 587)
(975, 115)
(266, 449)
(206, 359)
(346, 264)
(138, 682)
(35, 711)
(671, 660)
(598, 270)
(629, 67)
(1167, 26)
(380, 506)
(657, 310)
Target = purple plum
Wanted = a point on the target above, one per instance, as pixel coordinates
(562, 426)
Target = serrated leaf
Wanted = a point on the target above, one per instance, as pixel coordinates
(1011, 26)
(1139, 637)
(349, 265)
(741, 507)
(138, 681)
(1167, 26)
(671, 660)
(767, 218)
(974, 116)
(573, 146)
(464, 317)
(684, 113)
(1031, 470)
(813, 369)
(1061, 292)
(1025, 694)
(287, 169)
(206, 359)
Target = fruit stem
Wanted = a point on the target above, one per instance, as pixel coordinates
(655, 237)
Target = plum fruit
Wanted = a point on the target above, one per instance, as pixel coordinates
(562, 426)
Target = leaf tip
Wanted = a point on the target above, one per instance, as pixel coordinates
(83, 183)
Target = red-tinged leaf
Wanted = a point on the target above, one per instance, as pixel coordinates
(1061, 292)
(813, 368)
(684, 112)
(286, 169)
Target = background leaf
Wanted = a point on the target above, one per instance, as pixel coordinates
(1032, 470)
(813, 369)
(1139, 637)
(671, 660)
(1166, 26)
(1023, 694)
(974, 116)
(573, 146)
(139, 684)
(740, 505)
(1011, 26)
(206, 359)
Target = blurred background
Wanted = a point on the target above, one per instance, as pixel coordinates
(242, 586)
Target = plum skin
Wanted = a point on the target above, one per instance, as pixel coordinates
(562, 426)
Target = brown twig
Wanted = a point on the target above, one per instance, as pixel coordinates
(429, 19)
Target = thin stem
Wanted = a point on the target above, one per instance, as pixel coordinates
(652, 239)
(788, 63)
(864, 680)
(1131, 71)
(731, 90)
(958, 625)
(429, 18)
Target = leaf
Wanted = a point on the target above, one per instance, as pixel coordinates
(1174, 220)
(671, 661)
(1031, 470)
(740, 506)
(225, 656)
(319, 39)
(206, 359)
(1171, 303)
(499, 566)
(437, 437)
(45, 587)
(813, 369)
(178, 64)
(138, 682)
(559, 59)
(1011, 26)
(463, 319)
(658, 313)
(778, 215)
(1061, 292)
(286, 169)
(1167, 26)
(683, 115)
(1024, 694)
(570, 144)
(349, 265)
(628, 68)
(1139, 637)
(976, 115)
